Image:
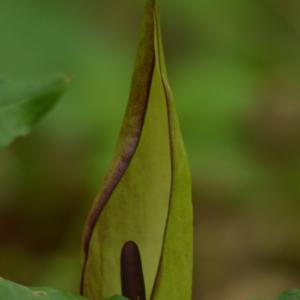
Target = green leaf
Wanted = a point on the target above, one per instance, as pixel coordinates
(23, 104)
(146, 195)
(13, 291)
(293, 294)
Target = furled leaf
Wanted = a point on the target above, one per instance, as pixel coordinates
(23, 104)
(13, 291)
(145, 196)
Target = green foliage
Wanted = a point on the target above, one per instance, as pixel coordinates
(146, 194)
(13, 291)
(23, 104)
(293, 294)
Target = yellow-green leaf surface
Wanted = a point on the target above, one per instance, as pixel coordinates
(146, 194)
(23, 104)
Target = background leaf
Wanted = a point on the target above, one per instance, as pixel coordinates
(293, 294)
(146, 195)
(23, 104)
(13, 291)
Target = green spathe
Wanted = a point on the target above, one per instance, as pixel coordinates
(23, 104)
(13, 291)
(146, 195)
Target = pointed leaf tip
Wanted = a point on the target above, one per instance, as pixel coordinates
(24, 104)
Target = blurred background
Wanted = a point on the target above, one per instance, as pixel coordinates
(235, 71)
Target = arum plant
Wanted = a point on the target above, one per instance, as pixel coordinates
(144, 206)
(138, 236)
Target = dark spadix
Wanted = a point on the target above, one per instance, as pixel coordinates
(132, 278)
